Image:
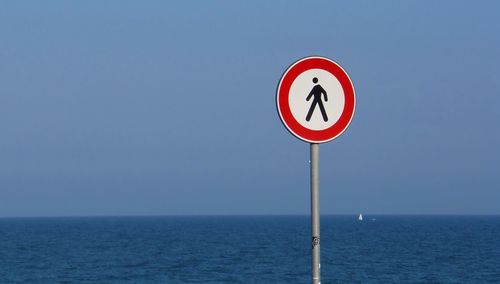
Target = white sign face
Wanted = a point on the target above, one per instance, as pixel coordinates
(332, 100)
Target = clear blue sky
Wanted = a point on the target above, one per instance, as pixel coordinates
(156, 107)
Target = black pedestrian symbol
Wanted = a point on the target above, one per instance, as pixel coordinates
(316, 91)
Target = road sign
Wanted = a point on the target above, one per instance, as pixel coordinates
(315, 99)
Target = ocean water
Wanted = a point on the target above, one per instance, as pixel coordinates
(249, 249)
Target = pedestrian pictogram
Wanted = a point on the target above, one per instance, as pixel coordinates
(315, 99)
(316, 92)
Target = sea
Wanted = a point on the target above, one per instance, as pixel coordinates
(250, 249)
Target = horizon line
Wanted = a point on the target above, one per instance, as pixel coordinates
(246, 215)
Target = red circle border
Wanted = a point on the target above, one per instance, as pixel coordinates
(283, 92)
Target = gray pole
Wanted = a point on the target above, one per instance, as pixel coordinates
(315, 263)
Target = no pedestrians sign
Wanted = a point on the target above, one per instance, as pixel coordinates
(315, 99)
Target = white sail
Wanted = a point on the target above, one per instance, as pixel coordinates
(360, 218)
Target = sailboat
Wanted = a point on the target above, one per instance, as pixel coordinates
(360, 217)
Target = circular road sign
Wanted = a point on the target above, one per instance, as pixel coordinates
(315, 99)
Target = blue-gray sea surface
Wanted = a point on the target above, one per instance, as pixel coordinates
(249, 249)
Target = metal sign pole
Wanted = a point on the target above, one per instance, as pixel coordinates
(315, 259)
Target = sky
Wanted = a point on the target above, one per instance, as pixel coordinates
(168, 107)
